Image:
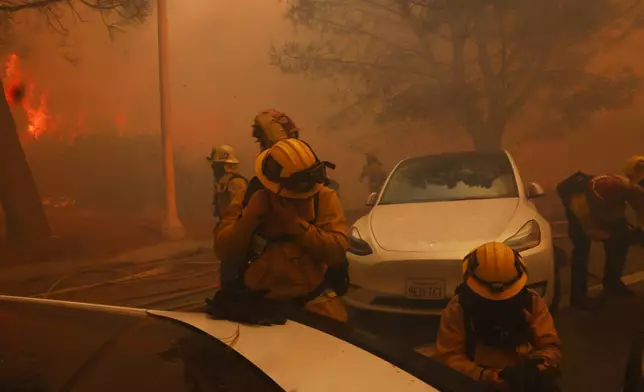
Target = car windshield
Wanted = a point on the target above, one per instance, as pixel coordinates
(451, 177)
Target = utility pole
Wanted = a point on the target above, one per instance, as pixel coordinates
(172, 226)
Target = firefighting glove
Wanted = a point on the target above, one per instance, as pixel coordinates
(242, 306)
(522, 377)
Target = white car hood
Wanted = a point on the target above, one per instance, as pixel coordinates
(440, 226)
(303, 359)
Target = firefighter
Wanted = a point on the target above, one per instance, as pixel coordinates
(287, 238)
(634, 170)
(595, 209)
(269, 127)
(272, 125)
(228, 183)
(495, 329)
(374, 172)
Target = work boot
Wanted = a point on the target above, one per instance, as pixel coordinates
(618, 290)
(586, 303)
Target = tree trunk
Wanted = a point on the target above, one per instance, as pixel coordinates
(487, 138)
(25, 219)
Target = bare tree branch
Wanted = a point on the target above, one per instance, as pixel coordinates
(6, 6)
(479, 63)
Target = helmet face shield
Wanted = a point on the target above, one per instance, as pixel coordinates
(306, 180)
(298, 182)
(497, 287)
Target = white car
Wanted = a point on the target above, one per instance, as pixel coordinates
(52, 345)
(405, 255)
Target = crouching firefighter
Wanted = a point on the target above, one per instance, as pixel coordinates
(496, 330)
(596, 211)
(285, 241)
(228, 183)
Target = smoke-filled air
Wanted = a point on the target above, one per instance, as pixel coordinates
(434, 128)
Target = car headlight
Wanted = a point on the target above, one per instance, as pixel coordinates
(528, 237)
(357, 245)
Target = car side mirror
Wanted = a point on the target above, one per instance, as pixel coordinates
(634, 377)
(371, 199)
(534, 190)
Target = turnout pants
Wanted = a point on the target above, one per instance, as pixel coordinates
(615, 248)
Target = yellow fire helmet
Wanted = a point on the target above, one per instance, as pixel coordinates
(291, 169)
(223, 154)
(273, 125)
(634, 168)
(495, 271)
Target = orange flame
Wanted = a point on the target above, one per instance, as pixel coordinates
(38, 117)
(19, 92)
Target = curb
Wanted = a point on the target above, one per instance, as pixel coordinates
(628, 280)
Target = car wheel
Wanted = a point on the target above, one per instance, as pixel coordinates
(560, 260)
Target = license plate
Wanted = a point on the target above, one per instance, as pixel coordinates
(425, 289)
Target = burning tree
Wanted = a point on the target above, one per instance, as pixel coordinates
(469, 63)
(25, 218)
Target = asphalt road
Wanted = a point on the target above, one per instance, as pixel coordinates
(595, 344)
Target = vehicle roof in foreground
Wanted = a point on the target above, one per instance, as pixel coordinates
(63, 346)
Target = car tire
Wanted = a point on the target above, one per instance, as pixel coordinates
(561, 259)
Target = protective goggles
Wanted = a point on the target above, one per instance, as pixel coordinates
(495, 287)
(299, 182)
